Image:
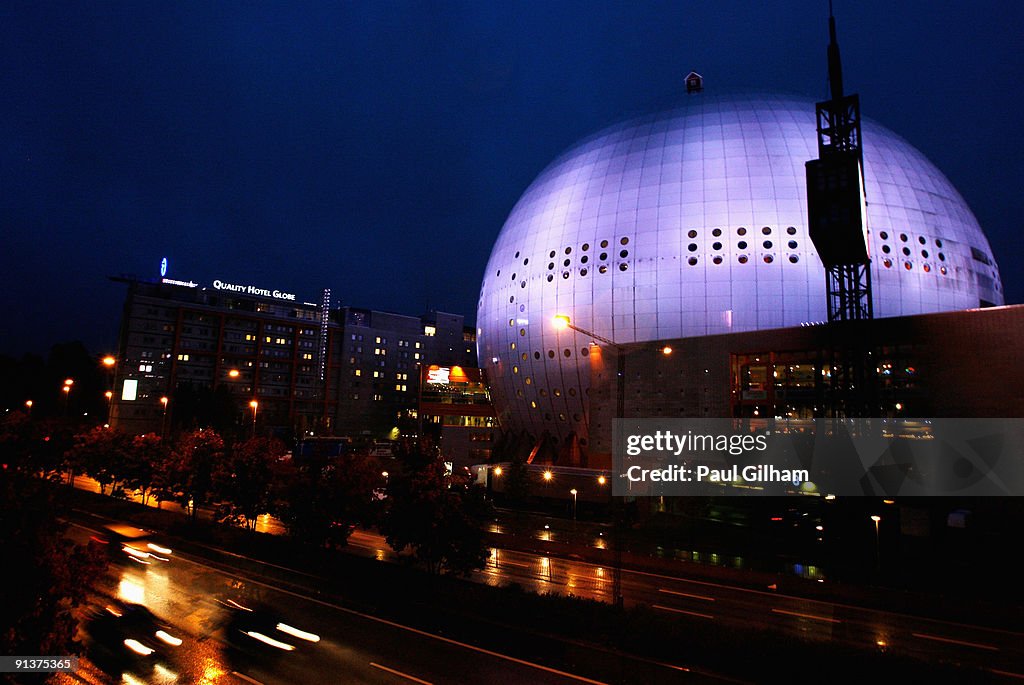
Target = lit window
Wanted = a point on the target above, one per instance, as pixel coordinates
(359, 372)
(429, 330)
(378, 340)
(182, 357)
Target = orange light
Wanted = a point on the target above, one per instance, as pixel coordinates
(254, 404)
(67, 388)
(28, 403)
(548, 475)
(560, 321)
(666, 350)
(108, 394)
(109, 361)
(498, 471)
(69, 381)
(163, 401)
(601, 480)
(233, 373)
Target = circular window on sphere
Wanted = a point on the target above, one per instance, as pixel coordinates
(517, 254)
(522, 284)
(526, 261)
(716, 246)
(522, 307)
(885, 249)
(566, 262)
(742, 259)
(908, 266)
(602, 269)
(585, 247)
(793, 259)
(717, 259)
(557, 392)
(906, 251)
(543, 392)
(525, 356)
(513, 277)
(791, 230)
(603, 256)
(519, 393)
(792, 244)
(927, 268)
(883, 235)
(584, 351)
(903, 237)
(692, 247)
(741, 231)
(766, 230)
(742, 244)
(942, 270)
(551, 354)
(551, 254)
(515, 369)
(691, 233)
(536, 355)
(529, 381)
(512, 299)
(623, 254)
(583, 272)
(921, 239)
(584, 259)
(568, 250)
(768, 259)
(717, 232)
(604, 243)
(572, 392)
(567, 352)
(692, 261)
(551, 265)
(624, 241)
(924, 253)
(511, 322)
(550, 278)
(767, 244)
(522, 332)
(565, 274)
(497, 274)
(938, 243)
(623, 267)
(561, 416)
(887, 263)
(942, 257)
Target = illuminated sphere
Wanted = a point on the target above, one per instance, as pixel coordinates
(693, 221)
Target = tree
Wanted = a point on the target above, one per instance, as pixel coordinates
(102, 454)
(323, 497)
(45, 576)
(439, 516)
(244, 480)
(186, 477)
(145, 457)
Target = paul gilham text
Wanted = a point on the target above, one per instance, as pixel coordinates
(762, 473)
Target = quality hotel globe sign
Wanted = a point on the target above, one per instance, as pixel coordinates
(253, 290)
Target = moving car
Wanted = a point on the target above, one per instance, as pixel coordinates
(130, 544)
(125, 632)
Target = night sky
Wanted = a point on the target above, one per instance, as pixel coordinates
(376, 148)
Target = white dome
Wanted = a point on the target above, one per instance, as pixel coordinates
(692, 221)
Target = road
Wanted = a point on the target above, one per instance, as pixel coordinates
(999, 651)
(354, 647)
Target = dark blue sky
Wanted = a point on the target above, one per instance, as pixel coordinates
(376, 148)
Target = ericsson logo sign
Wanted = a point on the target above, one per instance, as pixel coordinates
(253, 290)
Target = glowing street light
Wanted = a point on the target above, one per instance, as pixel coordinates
(28, 406)
(68, 382)
(548, 475)
(878, 556)
(109, 361)
(233, 373)
(163, 418)
(497, 471)
(601, 480)
(255, 406)
(574, 492)
(109, 394)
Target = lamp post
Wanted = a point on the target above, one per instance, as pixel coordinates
(255, 406)
(878, 555)
(28, 406)
(562, 321)
(574, 492)
(109, 394)
(68, 382)
(163, 418)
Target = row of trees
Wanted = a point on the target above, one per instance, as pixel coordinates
(416, 503)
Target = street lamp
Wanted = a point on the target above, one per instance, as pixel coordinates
(573, 492)
(233, 373)
(255, 405)
(28, 406)
(163, 419)
(878, 555)
(68, 382)
(561, 322)
(109, 394)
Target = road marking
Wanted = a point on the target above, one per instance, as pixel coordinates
(685, 594)
(1008, 674)
(400, 674)
(816, 618)
(682, 611)
(246, 678)
(955, 642)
